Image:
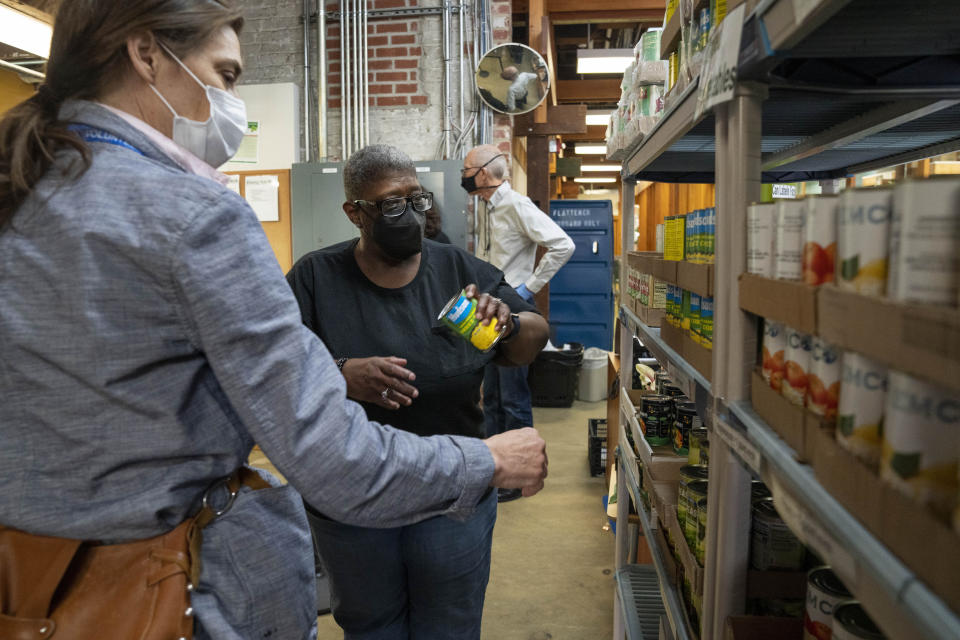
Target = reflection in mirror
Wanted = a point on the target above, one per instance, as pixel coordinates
(512, 78)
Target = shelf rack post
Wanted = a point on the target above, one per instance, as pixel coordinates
(738, 136)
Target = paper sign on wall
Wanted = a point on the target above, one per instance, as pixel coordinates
(263, 194)
(249, 151)
(233, 182)
(719, 76)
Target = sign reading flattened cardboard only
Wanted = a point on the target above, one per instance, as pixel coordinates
(793, 303)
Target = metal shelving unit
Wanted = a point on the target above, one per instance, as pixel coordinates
(825, 88)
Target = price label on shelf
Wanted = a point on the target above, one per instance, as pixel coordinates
(718, 79)
(810, 532)
(739, 444)
(682, 381)
(788, 191)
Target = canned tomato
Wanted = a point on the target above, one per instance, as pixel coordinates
(774, 353)
(686, 419)
(921, 442)
(799, 348)
(657, 419)
(696, 491)
(823, 382)
(761, 222)
(698, 436)
(851, 622)
(695, 318)
(824, 593)
(706, 322)
(788, 240)
(820, 239)
(688, 474)
(863, 236)
(863, 394)
(925, 242)
(460, 316)
(773, 547)
(700, 551)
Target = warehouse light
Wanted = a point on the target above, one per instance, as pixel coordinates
(600, 167)
(598, 117)
(590, 150)
(603, 60)
(598, 192)
(24, 32)
(594, 179)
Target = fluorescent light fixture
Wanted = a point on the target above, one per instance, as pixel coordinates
(590, 150)
(601, 167)
(24, 32)
(597, 180)
(598, 117)
(598, 192)
(604, 60)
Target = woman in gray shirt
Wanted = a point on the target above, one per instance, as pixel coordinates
(148, 338)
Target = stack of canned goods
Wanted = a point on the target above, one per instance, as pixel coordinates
(831, 613)
(692, 313)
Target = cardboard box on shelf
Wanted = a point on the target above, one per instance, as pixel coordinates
(685, 557)
(788, 585)
(763, 628)
(925, 544)
(698, 356)
(797, 426)
(793, 303)
(650, 316)
(663, 493)
(673, 336)
(696, 277)
(654, 264)
(921, 340)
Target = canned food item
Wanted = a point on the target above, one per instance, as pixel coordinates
(698, 435)
(686, 419)
(661, 378)
(921, 442)
(672, 390)
(692, 237)
(851, 622)
(863, 234)
(799, 348)
(696, 491)
(759, 491)
(712, 235)
(774, 353)
(761, 223)
(657, 419)
(788, 240)
(863, 394)
(459, 315)
(824, 593)
(773, 547)
(704, 26)
(718, 11)
(705, 453)
(685, 322)
(688, 474)
(706, 322)
(820, 239)
(700, 551)
(673, 69)
(695, 317)
(925, 242)
(823, 382)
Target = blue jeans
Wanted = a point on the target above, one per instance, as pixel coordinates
(423, 581)
(506, 399)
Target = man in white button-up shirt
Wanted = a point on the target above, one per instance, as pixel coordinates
(510, 232)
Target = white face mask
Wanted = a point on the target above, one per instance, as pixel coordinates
(217, 139)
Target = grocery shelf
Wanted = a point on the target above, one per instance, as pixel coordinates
(902, 605)
(638, 589)
(650, 337)
(671, 597)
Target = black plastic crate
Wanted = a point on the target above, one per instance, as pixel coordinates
(553, 377)
(597, 445)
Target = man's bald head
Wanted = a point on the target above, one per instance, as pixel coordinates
(481, 155)
(510, 73)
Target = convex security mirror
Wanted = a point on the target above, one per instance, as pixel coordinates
(512, 78)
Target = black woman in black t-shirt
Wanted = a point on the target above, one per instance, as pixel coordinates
(374, 302)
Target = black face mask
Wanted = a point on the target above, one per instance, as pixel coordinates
(399, 237)
(469, 183)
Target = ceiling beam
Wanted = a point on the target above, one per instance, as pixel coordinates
(589, 90)
(653, 16)
(564, 119)
(594, 133)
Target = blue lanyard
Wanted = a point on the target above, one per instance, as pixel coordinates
(92, 134)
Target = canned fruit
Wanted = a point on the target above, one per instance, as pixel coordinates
(863, 392)
(851, 622)
(788, 240)
(761, 222)
(459, 315)
(795, 379)
(925, 242)
(824, 593)
(773, 547)
(820, 239)
(921, 442)
(774, 353)
(823, 381)
(863, 233)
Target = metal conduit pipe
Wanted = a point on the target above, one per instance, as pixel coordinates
(446, 80)
(358, 124)
(463, 94)
(321, 81)
(306, 80)
(366, 77)
(345, 79)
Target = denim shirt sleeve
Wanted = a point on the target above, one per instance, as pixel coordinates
(281, 381)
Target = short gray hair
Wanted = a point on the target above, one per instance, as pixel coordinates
(498, 167)
(371, 164)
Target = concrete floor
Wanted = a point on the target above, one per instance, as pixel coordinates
(552, 572)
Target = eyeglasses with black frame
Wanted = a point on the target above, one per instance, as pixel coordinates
(396, 206)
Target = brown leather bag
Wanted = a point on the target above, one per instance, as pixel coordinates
(63, 589)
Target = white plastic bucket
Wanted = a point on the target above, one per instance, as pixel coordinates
(593, 376)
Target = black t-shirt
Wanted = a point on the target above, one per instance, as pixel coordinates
(357, 319)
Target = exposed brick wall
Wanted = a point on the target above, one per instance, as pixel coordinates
(501, 26)
(272, 41)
